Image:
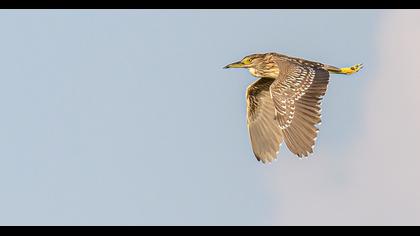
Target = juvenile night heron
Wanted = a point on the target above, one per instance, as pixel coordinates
(285, 103)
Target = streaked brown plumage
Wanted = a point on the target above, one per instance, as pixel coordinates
(285, 103)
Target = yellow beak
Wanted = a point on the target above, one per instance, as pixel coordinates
(238, 64)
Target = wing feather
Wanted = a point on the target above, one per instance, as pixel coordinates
(264, 131)
(297, 94)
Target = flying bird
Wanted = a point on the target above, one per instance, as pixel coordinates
(284, 104)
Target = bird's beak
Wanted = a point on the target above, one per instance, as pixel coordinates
(238, 64)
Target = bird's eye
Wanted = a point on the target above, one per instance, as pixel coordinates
(247, 61)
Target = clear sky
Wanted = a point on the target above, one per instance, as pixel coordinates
(126, 117)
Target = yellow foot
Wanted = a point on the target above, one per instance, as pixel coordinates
(351, 70)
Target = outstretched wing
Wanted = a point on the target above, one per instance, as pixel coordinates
(264, 131)
(297, 94)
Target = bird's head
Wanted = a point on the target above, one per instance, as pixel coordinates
(259, 65)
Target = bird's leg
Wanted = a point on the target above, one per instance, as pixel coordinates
(351, 70)
(344, 70)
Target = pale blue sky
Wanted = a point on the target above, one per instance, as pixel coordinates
(126, 117)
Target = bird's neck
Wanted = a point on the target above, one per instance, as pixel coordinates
(271, 73)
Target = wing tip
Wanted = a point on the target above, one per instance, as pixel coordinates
(268, 159)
